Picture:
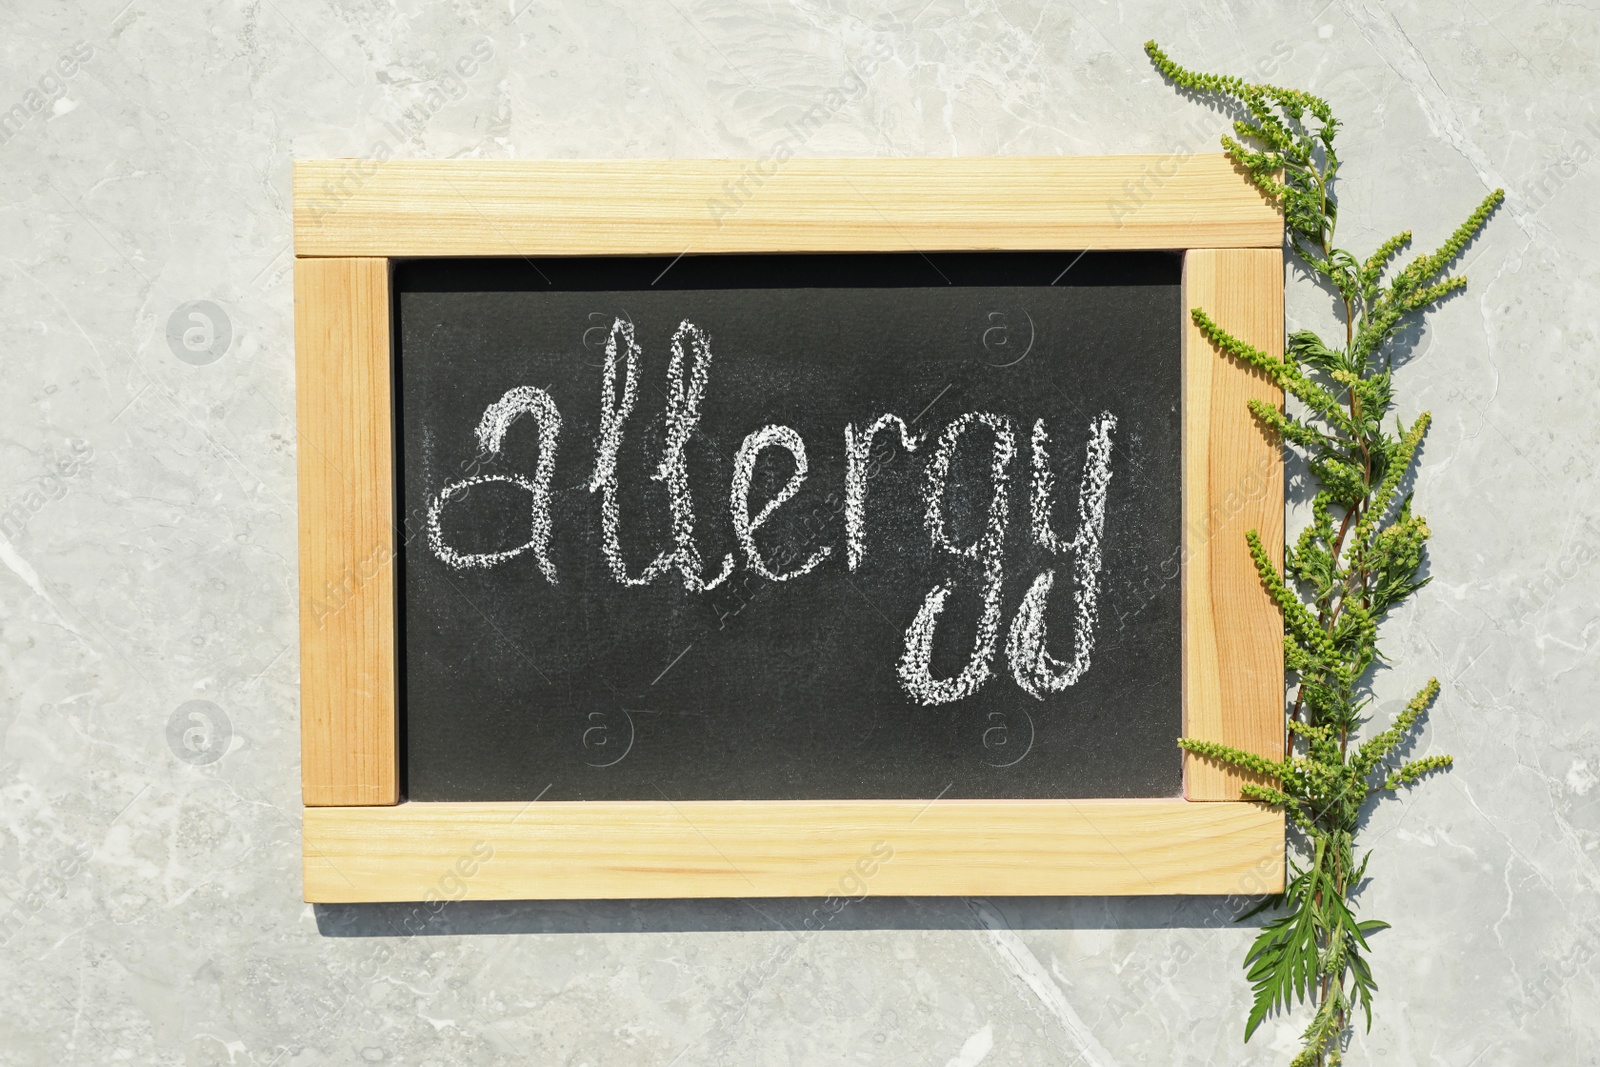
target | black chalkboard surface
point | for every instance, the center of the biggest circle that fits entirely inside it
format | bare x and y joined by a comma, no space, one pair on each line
621,580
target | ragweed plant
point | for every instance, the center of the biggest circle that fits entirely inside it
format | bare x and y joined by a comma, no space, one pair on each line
1358,558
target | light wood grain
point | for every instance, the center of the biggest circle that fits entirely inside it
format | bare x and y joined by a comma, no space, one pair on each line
1233,483
347,659
594,850
667,207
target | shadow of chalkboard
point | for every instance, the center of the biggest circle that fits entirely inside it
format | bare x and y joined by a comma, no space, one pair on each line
516,687
795,915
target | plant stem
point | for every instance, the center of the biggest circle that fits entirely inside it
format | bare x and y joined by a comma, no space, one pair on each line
1333,586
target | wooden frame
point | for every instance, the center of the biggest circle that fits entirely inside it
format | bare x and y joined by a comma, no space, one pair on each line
363,843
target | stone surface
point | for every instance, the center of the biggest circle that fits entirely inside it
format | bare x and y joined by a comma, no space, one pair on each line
150,899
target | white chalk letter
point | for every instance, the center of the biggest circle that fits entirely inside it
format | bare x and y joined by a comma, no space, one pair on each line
744,526
915,661
497,419
614,412
1032,665
857,451
683,416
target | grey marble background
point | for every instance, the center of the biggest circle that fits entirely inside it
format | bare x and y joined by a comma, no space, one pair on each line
149,869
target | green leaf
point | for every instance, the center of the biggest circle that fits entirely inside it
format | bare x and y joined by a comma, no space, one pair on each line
1283,960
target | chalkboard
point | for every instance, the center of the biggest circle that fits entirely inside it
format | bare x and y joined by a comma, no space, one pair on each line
668,531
